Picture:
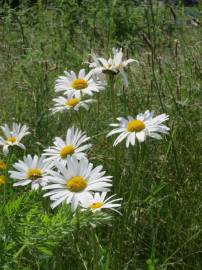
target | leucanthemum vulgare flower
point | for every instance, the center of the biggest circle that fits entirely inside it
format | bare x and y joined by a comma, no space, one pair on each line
30,170
13,136
83,84
73,146
114,65
74,184
70,102
99,202
139,128
2,180
2,165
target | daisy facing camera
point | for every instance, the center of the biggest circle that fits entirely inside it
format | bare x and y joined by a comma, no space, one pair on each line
75,183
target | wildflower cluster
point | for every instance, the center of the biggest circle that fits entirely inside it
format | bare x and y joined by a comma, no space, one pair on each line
63,170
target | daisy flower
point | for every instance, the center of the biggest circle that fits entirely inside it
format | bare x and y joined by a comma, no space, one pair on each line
140,127
99,202
70,102
80,84
74,146
75,182
114,65
13,136
30,170
2,165
2,180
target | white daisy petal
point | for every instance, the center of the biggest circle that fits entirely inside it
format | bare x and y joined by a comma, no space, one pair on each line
30,170
22,183
98,202
143,126
114,65
81,85
140,136
79,185
73,146
70,102
58,201
13,136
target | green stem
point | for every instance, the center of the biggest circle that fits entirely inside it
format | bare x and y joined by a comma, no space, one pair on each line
77,224
112,90
6,174
79,116
98,112
20,251
135,166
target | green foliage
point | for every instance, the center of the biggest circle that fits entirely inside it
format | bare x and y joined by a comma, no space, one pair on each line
31,232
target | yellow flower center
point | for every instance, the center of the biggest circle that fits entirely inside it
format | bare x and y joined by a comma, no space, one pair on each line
2,180
135,125
96,205
76,184
79,84
67,150
34,174
118,66
2,165
72,102
11,139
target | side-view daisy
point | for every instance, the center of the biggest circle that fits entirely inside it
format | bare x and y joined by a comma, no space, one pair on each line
2,180
2,165
70,102
30,170
73,146
114,65
99,202
140,127
80,84
13,136
75,182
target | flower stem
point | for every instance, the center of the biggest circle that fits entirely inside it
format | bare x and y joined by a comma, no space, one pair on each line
20,251
98,112
112,90
80,119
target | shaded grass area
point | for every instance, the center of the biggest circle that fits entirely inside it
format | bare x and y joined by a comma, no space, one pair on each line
160,182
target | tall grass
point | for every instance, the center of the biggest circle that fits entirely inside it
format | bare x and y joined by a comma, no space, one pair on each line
159,181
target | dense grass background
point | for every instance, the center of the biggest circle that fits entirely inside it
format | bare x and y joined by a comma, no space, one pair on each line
159,181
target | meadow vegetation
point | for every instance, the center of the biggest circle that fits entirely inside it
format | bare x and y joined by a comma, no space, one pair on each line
160,226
